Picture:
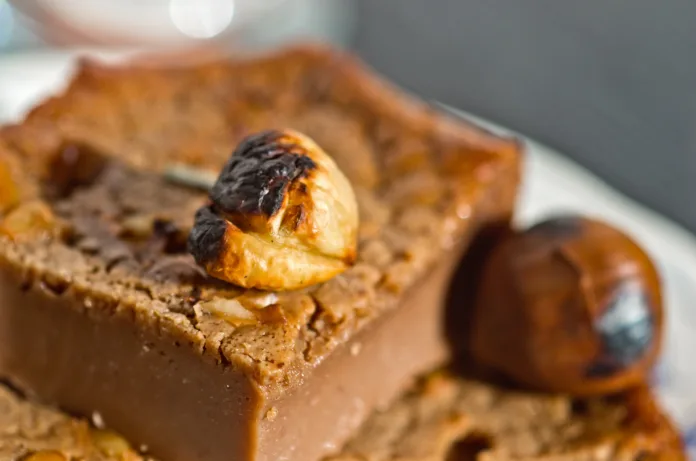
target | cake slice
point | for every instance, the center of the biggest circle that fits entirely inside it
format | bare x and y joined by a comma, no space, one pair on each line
450,418
445,418
102,309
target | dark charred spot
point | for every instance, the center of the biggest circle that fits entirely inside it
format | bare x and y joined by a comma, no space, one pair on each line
195,295
177,269
164,228
470,447
74,165
257,176
559,227
206,237
626,329
603,367
55,286
165,238
170,237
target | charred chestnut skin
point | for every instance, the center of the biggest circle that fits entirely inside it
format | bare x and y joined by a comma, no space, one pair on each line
570,305
281,216
207,236
255,179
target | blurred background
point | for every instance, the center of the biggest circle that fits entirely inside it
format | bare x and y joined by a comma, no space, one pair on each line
611,84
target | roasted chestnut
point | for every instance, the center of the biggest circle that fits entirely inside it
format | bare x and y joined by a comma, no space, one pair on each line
281,216
570,305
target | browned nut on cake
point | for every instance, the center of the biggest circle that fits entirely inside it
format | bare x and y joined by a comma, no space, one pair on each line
113,445
9,191
281,216
570,305
29,221
46,455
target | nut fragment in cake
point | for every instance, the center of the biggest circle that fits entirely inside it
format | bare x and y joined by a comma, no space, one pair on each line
113,445
281,216
46,455
570,305
230,310
28,221
9,191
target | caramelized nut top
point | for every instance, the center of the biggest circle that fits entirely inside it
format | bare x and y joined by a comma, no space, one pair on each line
9,193
46,455
281,216
29,221
570,305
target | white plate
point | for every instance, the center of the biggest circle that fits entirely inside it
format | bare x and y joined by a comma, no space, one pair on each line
552,184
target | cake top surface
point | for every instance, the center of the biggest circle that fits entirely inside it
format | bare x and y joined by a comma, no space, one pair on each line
89,214
444,418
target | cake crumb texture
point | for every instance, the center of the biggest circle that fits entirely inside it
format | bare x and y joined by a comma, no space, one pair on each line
454,419
30,432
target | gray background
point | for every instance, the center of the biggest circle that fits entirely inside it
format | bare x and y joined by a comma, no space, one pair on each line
611,83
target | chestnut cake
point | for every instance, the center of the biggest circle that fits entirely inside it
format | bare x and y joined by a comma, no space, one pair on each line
443,418
103,310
